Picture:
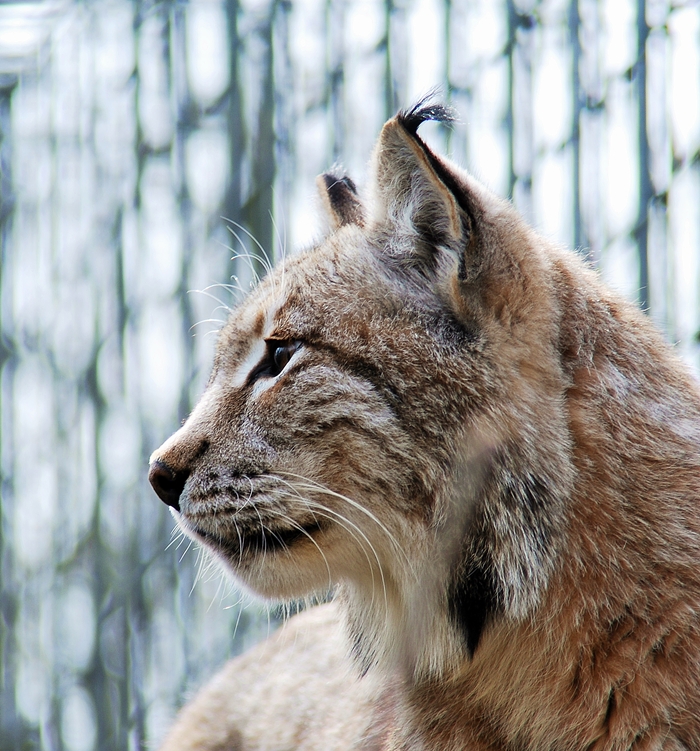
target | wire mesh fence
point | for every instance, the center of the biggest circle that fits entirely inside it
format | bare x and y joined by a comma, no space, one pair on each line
142,146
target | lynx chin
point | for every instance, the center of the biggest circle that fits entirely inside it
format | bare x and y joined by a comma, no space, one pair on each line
489,457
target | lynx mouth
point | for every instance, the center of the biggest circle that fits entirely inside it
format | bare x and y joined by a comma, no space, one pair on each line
260,540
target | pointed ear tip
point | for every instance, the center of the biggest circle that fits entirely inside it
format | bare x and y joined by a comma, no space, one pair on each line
329,180
394,134
393,124
340,199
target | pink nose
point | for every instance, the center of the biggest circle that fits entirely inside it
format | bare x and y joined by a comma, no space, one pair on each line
167,483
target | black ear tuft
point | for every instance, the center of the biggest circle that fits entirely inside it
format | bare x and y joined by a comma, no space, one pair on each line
418,193
424,110
340,198
339,184
411,120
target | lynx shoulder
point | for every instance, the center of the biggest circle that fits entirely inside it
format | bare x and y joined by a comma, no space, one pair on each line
491,459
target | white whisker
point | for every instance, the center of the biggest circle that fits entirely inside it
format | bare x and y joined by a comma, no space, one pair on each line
176,536
265,259
249,258
191,542
313,506
281,241
207,293
208,320
298,526
312,485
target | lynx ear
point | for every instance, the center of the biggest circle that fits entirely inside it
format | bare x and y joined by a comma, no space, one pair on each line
414,191
340,200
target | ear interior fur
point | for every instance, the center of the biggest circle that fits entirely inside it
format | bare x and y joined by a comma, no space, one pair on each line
413,192
340,200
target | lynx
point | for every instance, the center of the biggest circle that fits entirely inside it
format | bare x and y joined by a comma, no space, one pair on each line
491,459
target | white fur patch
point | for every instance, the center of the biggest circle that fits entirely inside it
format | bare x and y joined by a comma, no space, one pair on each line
257,351
255,355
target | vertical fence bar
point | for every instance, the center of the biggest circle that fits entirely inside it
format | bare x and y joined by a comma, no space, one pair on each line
335,88
578,103
645,188
521,29
257,211
10,728
232,200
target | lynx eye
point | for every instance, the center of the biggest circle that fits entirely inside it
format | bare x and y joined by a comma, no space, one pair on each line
279,353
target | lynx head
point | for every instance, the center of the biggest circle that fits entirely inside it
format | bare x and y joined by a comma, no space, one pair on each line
384,415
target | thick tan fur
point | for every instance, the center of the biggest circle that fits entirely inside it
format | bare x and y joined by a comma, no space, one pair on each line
492,459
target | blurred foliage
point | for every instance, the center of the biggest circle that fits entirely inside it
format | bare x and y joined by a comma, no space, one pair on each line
142,145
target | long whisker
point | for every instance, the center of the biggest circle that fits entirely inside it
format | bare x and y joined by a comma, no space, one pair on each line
235,289
298,526
176,536
349,526
282,243
265,259
208,320
232,289
313,505
208,294
312,485
200,564
187,549
218,587
249,258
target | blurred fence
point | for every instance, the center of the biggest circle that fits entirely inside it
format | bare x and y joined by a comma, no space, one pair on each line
127,131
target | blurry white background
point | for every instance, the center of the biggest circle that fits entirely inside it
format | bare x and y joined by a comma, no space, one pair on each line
129,133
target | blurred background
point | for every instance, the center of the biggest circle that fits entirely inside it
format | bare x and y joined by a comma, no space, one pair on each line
135,138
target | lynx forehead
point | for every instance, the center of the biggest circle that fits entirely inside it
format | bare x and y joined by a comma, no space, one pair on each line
492,460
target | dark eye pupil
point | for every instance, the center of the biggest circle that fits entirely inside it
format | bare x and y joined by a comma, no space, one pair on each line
282,356
279,353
